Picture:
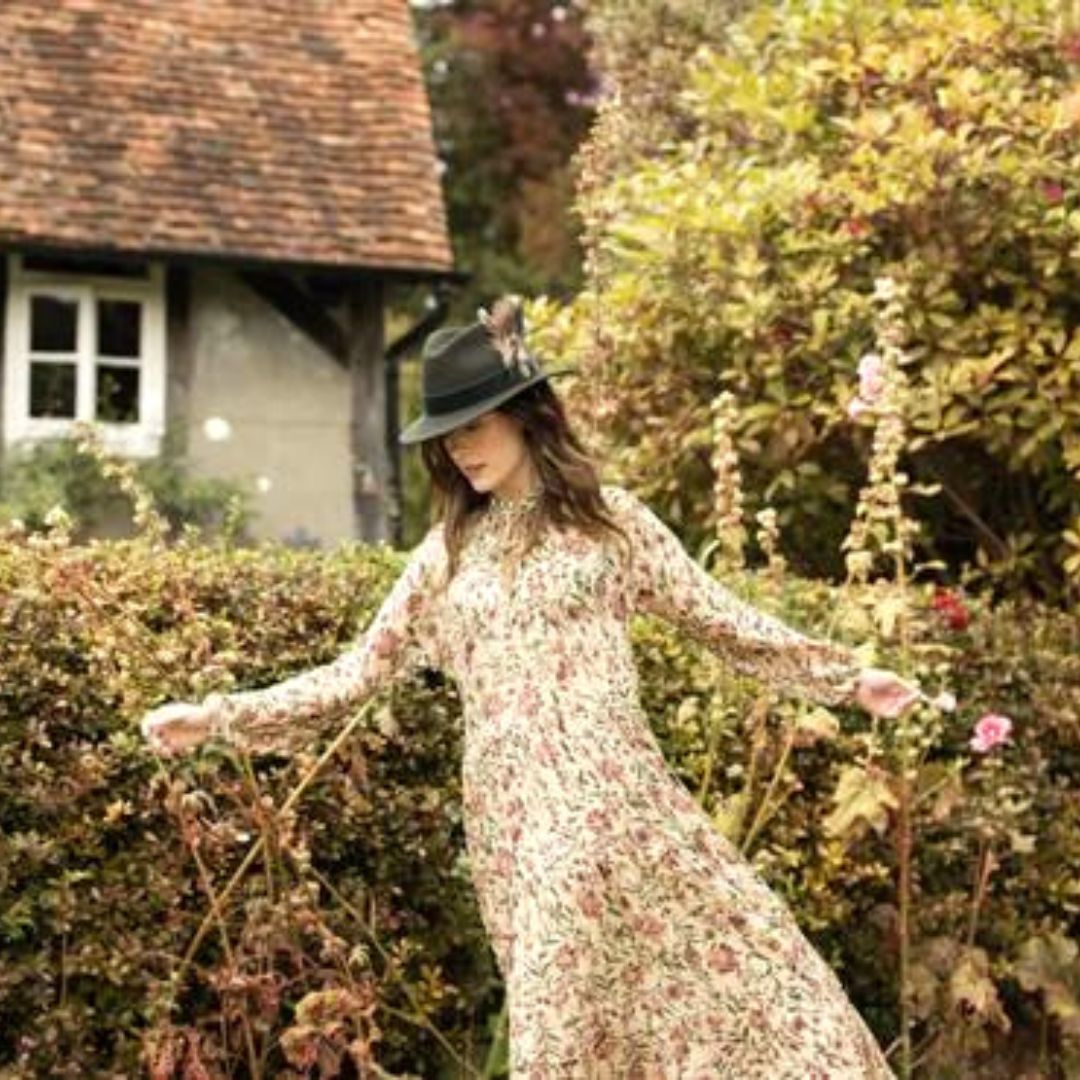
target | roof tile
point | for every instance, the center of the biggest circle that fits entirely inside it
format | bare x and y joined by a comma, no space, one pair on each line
261,129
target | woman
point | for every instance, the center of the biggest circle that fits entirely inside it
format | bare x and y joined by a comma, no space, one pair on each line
633,938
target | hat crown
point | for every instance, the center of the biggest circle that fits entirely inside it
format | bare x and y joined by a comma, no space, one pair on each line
458,357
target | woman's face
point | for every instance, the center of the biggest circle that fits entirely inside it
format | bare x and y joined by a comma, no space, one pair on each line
490,451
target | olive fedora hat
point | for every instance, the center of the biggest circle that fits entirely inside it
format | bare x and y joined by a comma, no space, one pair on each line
469,370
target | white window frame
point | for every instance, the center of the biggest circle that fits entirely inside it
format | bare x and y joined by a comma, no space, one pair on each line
141,439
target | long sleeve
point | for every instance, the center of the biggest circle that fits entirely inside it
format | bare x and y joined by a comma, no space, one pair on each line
401,637
664,580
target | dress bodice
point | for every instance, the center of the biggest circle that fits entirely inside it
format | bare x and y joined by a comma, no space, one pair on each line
567,604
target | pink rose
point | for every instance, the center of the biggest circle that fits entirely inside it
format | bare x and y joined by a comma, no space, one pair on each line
991,730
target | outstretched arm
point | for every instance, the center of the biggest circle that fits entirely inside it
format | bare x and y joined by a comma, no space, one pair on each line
400,637
664,580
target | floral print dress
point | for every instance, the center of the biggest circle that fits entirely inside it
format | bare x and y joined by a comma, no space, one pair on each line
634,939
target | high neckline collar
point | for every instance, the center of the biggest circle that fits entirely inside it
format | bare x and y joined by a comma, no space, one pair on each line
512,505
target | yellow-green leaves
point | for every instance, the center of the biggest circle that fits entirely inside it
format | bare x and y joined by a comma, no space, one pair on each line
862,800
813,148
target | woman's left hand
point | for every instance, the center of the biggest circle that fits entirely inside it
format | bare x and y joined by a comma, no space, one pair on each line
884,693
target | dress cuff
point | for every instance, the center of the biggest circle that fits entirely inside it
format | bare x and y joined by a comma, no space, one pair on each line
218,708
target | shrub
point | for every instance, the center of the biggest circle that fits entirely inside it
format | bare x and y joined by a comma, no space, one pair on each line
809,149
56,473
102,854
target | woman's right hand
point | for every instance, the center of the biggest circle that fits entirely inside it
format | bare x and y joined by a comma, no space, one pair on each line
176,727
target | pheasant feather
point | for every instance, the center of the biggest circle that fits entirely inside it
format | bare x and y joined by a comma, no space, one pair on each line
505,324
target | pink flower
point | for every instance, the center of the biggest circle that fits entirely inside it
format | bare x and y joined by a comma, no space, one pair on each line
611,769
650,924
991,730
721,958
386,641
1053,192
871,377
590,903
856,407
1070,48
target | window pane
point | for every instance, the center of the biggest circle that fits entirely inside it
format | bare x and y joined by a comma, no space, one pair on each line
117,394
118,327
52,390
53,324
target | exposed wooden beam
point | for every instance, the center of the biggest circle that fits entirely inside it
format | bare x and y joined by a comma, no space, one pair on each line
371,467
302,310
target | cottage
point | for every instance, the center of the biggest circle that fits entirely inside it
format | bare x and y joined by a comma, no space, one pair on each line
203,207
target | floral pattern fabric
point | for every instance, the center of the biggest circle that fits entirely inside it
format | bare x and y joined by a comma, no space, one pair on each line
634,939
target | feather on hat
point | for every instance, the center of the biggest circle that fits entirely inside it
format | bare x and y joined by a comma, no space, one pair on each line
505,323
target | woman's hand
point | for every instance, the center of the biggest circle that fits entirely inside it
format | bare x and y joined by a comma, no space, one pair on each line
176,727
884,693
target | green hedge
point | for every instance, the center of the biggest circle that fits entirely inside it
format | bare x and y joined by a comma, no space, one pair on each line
101,892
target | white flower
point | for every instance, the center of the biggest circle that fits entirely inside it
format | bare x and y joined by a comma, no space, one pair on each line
57,518
884,288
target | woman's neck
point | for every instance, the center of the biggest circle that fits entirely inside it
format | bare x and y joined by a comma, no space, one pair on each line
518,488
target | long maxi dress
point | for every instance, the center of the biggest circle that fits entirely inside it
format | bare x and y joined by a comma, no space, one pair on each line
634,940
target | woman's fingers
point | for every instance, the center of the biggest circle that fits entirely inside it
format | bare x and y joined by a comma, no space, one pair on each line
174,727
901,697
884,693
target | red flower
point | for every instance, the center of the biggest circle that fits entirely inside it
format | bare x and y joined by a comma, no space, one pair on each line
1070,48
1053,192
951,608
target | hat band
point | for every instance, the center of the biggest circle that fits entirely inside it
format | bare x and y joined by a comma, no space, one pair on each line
437,404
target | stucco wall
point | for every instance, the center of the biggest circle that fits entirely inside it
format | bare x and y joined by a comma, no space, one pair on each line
286,403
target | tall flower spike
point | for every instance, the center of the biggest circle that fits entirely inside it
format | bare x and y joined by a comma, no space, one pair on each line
506,325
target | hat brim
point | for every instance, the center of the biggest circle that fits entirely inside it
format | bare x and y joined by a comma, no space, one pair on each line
429,427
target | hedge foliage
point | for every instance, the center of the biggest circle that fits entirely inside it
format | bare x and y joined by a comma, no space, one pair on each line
360,934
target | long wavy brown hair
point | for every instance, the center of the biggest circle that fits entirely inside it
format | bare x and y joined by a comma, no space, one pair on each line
570,481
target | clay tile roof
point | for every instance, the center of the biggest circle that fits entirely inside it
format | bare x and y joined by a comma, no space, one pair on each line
261,129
